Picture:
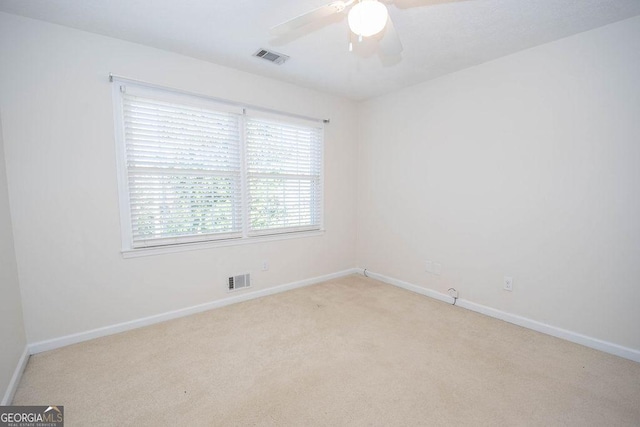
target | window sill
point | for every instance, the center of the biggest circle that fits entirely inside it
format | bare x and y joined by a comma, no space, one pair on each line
161,250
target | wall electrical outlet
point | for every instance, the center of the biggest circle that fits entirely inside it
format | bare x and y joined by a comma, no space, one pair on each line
429,266
437,268
508,283
265,265
433,267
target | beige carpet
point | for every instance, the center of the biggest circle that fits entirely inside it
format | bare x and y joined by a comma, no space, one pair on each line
351,351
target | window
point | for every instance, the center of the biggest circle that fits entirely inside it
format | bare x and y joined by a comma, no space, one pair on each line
197,170
283,176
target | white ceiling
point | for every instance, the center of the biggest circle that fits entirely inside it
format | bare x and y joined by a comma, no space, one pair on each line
439,36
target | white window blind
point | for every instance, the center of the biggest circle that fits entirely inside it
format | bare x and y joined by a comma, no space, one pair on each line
284,163
183,170
194,169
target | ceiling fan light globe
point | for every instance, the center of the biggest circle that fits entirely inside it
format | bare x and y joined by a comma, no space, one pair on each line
367,18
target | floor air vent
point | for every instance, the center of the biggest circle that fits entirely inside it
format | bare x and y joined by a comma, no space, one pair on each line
239,282
276,58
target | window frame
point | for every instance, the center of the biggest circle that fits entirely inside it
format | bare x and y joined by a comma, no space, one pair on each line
204,241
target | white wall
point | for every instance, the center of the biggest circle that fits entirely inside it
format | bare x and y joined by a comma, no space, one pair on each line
526,166
12,336
57,113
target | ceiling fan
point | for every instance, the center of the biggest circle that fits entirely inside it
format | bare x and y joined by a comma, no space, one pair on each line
366,18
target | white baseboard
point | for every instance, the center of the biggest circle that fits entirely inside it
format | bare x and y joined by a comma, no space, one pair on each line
51,344
38,347
605,346
15,379
408,286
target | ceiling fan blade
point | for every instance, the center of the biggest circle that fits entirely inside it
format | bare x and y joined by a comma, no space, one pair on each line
407,4
307,18
390,44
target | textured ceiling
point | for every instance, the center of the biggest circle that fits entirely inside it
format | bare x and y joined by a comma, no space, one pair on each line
439,36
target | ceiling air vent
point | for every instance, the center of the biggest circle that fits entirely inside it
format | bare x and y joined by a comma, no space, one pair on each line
275,57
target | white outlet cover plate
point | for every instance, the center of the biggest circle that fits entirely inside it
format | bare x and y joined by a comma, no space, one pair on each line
429,266
508,283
